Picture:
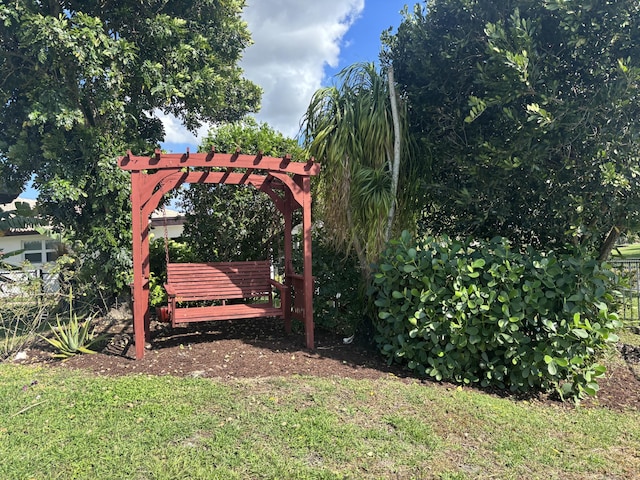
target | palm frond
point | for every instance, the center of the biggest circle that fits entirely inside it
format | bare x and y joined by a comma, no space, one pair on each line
349,129
21,216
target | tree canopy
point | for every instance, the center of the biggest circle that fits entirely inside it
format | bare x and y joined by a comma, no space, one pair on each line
236,222
528,113
83,81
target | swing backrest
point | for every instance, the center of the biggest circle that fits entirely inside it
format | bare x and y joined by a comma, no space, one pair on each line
220,281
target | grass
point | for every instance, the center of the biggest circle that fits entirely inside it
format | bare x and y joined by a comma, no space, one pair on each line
61,424
627,251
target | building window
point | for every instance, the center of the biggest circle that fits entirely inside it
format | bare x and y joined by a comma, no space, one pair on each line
40,251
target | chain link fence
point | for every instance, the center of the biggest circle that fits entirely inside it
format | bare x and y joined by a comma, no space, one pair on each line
13,281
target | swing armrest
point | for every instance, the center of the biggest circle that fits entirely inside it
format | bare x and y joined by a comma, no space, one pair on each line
284,296
283,288
171,291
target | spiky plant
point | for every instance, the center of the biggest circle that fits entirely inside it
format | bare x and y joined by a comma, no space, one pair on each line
72,337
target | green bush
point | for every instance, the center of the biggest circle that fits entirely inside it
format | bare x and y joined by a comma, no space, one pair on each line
178,252
479,313
337,302
337,299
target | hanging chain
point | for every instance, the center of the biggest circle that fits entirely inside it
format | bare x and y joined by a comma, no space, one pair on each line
166,235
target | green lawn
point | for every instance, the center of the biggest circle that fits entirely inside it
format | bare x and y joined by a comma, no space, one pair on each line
627,251
61,424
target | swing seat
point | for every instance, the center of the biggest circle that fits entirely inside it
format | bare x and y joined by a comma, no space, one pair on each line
250,281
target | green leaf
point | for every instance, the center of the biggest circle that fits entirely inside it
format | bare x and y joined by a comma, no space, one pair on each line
580,333
479,263
599,370
591,388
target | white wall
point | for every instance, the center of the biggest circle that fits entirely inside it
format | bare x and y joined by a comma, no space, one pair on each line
16,242
173,231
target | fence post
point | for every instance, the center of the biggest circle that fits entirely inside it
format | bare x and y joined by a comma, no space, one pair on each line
629,268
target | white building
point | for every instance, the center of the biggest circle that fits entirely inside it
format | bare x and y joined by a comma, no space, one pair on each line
38,249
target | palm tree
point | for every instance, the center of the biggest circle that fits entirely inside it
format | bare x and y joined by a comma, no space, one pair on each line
354,130
20,216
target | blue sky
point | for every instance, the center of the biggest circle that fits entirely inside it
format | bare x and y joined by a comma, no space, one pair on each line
361,43
299,45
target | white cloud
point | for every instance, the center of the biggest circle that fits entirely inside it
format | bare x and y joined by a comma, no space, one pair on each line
174,131
293,42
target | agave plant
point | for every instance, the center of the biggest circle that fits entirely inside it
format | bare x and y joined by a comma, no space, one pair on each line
72,337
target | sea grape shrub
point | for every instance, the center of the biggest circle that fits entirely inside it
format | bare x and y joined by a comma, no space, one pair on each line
478,312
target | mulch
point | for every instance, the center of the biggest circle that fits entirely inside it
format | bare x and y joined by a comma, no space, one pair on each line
260,348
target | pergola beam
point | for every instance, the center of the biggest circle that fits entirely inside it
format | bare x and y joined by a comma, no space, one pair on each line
223,160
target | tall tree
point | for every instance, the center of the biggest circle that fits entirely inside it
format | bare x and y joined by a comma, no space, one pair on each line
83,81
528,111
355,129
236,222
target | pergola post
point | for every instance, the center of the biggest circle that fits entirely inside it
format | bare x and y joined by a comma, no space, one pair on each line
307,273
288,255
140,307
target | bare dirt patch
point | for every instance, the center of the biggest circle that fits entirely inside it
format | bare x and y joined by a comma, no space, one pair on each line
260,348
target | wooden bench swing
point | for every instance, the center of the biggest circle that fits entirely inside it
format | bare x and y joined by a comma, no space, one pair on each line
189,282
288,184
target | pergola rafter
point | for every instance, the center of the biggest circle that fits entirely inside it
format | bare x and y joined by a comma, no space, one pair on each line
153,177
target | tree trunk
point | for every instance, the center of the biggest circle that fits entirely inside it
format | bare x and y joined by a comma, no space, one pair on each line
54,8
609,242
395,165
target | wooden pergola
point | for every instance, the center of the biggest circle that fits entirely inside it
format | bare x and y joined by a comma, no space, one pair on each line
288,183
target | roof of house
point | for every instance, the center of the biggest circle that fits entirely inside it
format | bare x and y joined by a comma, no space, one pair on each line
158,218
12,205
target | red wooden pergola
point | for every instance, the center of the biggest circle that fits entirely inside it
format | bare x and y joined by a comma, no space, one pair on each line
288,184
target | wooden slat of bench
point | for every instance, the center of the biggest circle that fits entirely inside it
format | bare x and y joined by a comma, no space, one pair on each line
215,292
219,281
260,269
198,276
226,312
219,286
187,268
